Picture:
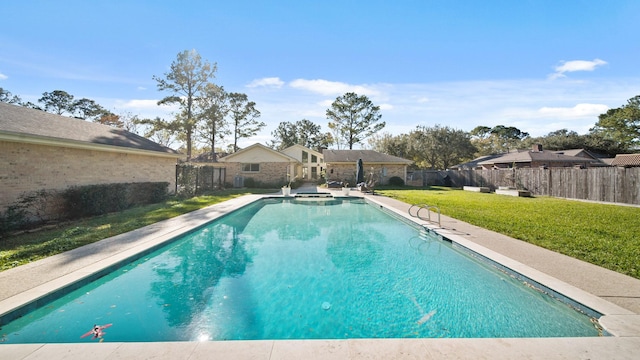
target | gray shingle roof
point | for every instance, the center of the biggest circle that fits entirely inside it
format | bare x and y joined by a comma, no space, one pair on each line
370,156
474,163
24,121
530,156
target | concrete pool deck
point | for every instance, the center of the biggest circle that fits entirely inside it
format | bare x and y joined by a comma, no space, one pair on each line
616,295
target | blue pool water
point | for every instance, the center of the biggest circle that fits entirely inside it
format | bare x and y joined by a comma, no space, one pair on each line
293,269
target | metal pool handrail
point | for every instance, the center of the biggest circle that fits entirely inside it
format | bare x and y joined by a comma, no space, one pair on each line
429,208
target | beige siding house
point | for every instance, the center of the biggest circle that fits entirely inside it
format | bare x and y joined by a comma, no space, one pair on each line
43,151
311,162
261,164
341,165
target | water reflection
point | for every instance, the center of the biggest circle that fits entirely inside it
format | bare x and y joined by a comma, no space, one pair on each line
186,279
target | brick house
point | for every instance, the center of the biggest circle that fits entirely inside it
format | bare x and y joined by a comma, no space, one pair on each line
261,164
271,167
43,151
341,165
311,162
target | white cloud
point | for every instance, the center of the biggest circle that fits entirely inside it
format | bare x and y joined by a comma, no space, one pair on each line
266,82
386,107
580,110
144,108
140,104
3,76
576,65
326,87
326,103
141,88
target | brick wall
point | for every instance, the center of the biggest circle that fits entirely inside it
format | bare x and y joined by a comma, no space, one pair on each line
29,167
270,173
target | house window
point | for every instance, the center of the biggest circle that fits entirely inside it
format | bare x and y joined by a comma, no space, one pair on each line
314,159
305,157
250,167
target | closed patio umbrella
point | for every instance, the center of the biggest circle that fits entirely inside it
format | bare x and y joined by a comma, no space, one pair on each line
359,172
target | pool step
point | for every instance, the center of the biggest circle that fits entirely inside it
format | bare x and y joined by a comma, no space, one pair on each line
314,195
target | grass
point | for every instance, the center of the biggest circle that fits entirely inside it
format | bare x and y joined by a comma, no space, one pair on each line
21,249
602,234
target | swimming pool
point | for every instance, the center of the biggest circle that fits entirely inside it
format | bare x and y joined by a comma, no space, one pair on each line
293,269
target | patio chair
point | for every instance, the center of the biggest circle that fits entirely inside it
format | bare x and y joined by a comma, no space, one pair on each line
368,187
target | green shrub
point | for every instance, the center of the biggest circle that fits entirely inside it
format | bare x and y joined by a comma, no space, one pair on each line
30,209
90,200
396,181
250,182
147,192
13,218
296,183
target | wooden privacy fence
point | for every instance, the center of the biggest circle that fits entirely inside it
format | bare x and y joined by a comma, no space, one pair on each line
609,184
193,179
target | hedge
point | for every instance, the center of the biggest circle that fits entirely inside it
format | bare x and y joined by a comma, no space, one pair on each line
89,200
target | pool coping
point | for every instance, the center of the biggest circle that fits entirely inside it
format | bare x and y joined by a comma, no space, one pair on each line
622,323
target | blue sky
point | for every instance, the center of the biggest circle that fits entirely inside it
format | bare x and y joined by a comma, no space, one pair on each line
538,65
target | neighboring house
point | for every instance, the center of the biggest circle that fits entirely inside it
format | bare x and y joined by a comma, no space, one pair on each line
311,162
626,160
259,163
43,151
474,164
537,157
341,165
575,152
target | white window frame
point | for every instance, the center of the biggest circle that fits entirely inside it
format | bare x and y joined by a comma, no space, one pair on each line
251,167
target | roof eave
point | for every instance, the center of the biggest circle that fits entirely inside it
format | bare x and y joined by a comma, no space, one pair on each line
229,158
74,144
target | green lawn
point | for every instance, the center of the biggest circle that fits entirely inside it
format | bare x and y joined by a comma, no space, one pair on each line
22,249
605,235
